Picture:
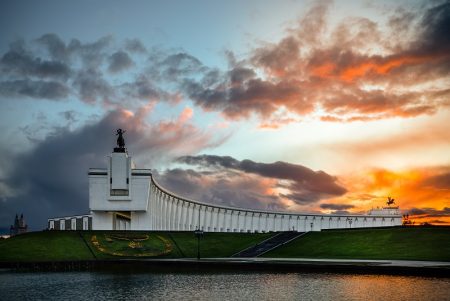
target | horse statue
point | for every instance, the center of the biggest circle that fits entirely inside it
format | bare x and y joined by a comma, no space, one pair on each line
120,140
390,201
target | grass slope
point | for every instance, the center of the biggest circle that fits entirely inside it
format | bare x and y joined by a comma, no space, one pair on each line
44,246
395,243
217,244
413,243
69,245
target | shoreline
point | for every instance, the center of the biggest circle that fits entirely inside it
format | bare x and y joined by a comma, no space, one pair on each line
380,267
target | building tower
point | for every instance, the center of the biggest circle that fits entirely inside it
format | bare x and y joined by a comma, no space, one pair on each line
19,227
119,194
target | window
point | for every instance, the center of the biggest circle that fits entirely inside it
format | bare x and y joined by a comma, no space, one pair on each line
119,192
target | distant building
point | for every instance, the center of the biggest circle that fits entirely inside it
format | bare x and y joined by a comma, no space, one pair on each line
19,227
123,197
77,222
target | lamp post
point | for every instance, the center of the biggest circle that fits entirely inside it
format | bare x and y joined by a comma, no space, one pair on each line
199,233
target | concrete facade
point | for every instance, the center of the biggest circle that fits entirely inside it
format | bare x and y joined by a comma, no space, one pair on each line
122,197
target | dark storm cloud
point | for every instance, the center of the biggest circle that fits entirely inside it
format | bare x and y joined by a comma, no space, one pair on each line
436,24
429,212
35,89
221,188
306,186
51,178
336,206
119,61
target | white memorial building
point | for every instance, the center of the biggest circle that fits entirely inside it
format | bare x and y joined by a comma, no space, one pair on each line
123,197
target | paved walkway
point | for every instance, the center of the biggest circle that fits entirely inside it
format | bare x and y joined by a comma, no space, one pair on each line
325,261
310,261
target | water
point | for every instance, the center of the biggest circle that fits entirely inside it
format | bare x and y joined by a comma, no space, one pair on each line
218,286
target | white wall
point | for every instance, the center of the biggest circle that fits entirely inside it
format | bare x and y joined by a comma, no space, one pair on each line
153,208
102,220
175,213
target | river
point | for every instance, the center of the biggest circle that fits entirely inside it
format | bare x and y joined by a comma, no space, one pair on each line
218,286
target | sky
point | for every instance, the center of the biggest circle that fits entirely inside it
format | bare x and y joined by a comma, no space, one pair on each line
297,106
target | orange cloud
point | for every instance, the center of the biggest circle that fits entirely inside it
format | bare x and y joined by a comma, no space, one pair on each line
324,70
382,67
186,115
424,193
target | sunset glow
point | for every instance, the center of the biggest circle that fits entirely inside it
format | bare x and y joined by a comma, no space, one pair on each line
315,106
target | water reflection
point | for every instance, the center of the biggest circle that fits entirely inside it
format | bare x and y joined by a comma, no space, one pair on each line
218,286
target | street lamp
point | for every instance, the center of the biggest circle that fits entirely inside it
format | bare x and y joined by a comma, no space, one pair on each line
198,233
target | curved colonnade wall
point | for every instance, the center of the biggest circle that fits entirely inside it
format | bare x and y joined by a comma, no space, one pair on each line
171,212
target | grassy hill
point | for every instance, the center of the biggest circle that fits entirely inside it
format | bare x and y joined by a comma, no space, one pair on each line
395,243
413,243
89,245
44,246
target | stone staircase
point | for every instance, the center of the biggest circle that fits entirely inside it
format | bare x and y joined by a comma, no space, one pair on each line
269,244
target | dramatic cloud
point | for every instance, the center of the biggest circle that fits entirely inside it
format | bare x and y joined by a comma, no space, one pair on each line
339,71
51,179
302,185
323,68
429,215
353,70
428,187
223,188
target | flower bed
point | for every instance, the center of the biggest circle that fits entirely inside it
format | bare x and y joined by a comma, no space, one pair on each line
132,245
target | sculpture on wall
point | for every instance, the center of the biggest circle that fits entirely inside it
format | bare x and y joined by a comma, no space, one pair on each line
120,141
390,201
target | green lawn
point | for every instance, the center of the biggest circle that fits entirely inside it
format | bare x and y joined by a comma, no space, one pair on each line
69,245
413,243
217,244
44,246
